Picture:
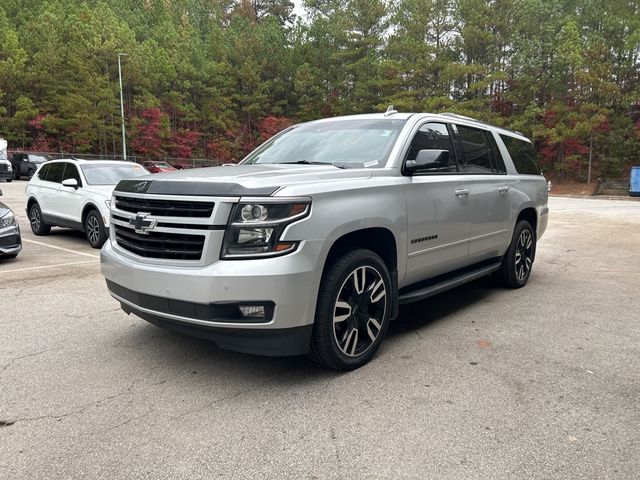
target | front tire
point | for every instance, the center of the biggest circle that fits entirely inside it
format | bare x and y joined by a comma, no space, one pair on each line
94,229
353,310
518,261
38,227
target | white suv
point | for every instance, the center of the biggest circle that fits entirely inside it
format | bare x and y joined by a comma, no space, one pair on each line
76,194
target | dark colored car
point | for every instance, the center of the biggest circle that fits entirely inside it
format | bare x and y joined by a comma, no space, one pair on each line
10,240
26,164
158,167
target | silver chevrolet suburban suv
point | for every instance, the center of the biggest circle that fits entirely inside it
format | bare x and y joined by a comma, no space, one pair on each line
309,245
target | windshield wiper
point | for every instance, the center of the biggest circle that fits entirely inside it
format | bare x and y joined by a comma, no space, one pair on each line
307,162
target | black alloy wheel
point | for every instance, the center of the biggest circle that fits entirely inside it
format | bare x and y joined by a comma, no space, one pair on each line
353,310
518,261
38,226
524,255
94,229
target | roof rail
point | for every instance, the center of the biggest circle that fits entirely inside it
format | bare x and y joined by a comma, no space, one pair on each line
464,117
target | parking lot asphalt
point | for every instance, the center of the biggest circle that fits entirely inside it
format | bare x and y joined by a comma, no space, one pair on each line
479,382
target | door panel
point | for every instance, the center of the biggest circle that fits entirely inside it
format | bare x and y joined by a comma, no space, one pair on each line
439,226
49,188
69,200
491,199
438,209
489,192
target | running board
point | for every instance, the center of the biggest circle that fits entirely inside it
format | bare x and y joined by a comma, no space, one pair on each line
445,282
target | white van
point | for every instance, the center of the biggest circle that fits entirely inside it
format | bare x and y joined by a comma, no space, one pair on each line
6,170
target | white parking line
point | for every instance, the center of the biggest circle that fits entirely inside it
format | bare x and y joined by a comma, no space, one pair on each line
60,248
48,266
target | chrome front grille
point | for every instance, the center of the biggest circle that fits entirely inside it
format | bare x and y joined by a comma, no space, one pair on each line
164,207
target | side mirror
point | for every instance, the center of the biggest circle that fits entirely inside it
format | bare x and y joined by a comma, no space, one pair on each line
70,182
427,160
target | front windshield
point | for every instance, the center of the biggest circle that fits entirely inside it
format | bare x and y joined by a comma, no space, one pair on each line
111,174
346,143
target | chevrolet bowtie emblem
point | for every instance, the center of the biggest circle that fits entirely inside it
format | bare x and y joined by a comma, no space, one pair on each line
142,224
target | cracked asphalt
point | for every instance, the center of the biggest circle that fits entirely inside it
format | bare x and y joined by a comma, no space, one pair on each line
479,382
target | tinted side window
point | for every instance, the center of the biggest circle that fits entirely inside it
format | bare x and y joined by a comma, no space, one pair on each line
522,154
477,155
42,173
433,136
56,171
498,161
71,171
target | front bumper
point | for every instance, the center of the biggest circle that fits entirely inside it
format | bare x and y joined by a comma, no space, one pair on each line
189,299
6,175
10,240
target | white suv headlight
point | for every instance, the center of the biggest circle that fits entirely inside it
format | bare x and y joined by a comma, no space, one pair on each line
255,227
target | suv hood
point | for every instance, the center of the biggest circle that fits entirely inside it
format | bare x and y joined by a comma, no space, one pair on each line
239,179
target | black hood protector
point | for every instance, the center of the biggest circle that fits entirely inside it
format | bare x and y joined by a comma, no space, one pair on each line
206,189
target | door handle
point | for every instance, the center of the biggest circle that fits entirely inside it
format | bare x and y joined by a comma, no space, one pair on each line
462,192
503,189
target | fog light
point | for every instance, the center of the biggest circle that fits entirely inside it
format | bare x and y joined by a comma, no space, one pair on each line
252,311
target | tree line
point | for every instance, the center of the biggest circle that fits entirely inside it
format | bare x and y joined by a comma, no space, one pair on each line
214,78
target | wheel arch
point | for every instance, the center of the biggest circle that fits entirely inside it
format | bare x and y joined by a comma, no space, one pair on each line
380,240
30,202
530,214
85,211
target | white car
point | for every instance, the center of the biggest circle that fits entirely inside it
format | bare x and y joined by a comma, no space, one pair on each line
76,194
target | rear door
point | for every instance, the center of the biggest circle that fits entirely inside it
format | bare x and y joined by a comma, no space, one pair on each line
438,210
489,192
49,187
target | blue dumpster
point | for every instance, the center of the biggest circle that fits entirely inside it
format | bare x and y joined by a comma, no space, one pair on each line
634,182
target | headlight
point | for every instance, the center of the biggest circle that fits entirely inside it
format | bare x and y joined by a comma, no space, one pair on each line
8,220
255,227
9,168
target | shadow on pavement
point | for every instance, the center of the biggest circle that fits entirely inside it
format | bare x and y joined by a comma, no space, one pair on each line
183,356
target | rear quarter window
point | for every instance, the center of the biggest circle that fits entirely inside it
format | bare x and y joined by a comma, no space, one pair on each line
42,173
523,155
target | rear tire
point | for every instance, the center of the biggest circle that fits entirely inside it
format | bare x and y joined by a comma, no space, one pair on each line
353,311
38,227
518,261
94,229
9,180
